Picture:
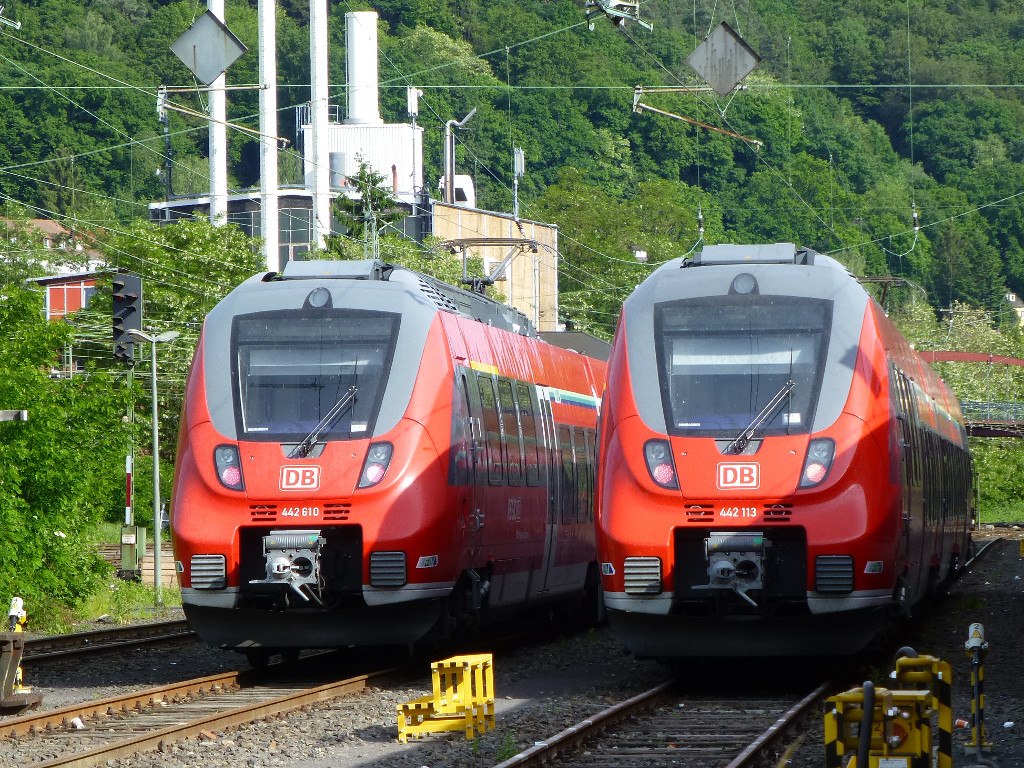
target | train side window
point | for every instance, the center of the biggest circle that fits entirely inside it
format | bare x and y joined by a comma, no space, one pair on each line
582,475
510,437
568,479
550,456
591,437
462,439
529,425
915,431
492,430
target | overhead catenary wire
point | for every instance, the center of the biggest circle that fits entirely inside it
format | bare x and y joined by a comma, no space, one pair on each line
507,48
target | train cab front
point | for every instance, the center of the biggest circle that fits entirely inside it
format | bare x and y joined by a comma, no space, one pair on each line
725,507
302,485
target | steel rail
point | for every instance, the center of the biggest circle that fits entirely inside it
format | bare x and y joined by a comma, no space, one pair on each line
548,749
55,718
545,750
777,730
980,552
237,716
45,649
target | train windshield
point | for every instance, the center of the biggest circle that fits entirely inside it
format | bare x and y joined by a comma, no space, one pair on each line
722,359
291,370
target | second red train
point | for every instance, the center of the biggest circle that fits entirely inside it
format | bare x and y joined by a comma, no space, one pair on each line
779,470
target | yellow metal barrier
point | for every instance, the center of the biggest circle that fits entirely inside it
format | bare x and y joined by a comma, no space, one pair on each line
462,699
900,720
900,723
931,674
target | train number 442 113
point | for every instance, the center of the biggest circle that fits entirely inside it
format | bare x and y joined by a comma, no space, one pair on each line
737,512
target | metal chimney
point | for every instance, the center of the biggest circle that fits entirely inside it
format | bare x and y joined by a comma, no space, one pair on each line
361,42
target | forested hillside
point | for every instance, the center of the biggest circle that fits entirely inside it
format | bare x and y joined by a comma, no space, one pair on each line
863,109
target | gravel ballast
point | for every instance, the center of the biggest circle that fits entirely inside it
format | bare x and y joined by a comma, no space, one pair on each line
543,689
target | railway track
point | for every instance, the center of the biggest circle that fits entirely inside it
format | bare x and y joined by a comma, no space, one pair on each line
59,647
89,734
660,727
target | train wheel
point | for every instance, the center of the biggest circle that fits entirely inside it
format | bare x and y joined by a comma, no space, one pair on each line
594,595
258,658
932,586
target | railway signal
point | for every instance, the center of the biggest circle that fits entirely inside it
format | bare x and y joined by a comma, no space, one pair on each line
127,314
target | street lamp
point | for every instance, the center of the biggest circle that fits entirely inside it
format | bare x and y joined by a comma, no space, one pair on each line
157,522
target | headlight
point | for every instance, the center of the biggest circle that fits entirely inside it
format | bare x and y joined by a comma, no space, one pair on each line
229,467
658,455
820,453
378,457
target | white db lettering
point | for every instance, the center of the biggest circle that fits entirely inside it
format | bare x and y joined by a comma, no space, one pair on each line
300,478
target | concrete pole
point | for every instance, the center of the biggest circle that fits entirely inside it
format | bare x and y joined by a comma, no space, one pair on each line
157,521
319,119
218,138
268,128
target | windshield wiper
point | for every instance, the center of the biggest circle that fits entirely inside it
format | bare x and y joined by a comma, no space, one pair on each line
740,441
302,450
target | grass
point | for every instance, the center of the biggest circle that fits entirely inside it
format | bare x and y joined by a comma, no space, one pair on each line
1001,513
123,601
105,533
508,748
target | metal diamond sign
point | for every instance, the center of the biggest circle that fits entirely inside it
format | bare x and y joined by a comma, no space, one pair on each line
723,59
208,48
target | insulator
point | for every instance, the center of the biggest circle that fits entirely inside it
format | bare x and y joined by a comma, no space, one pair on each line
913,211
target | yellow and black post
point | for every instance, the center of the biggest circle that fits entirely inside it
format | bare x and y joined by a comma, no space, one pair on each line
14,695
976,647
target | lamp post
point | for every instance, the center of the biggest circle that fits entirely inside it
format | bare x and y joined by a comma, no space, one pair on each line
157,522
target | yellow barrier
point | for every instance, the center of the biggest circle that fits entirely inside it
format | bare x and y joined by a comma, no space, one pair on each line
462,699
900,723
934,675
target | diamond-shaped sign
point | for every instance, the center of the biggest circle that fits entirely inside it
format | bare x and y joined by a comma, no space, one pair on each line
208,48
723,59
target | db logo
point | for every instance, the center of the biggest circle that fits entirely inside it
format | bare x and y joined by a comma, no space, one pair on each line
739,476
300,478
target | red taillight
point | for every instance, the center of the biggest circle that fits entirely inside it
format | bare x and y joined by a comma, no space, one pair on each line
374,474
378,458
664,475
229,467
658,455
820,453
815,473
231,477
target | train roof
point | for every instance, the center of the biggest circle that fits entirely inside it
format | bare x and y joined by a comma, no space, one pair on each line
444,297
769,253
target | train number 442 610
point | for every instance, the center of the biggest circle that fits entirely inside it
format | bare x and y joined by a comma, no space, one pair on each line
300,512
737,512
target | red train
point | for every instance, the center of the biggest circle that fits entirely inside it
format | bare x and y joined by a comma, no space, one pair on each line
368,456
779,471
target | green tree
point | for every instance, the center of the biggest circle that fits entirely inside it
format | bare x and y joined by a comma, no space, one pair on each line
58,469
186,269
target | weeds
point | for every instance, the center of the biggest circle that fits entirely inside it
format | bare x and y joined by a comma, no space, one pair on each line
508,748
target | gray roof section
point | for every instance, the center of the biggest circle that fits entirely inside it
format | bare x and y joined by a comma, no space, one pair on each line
824,278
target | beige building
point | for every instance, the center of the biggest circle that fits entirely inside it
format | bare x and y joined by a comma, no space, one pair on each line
1018,306
529,280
